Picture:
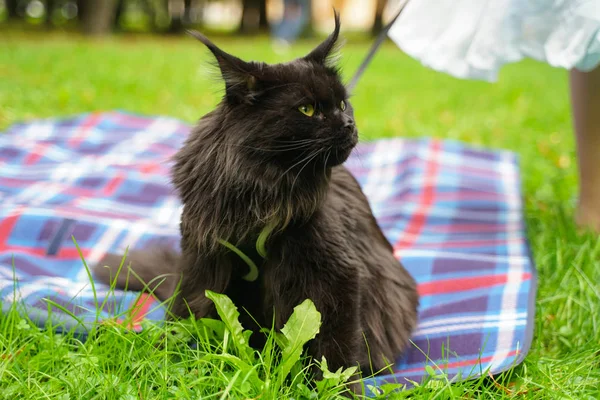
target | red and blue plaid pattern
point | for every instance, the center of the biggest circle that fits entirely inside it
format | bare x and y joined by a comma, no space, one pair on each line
453,213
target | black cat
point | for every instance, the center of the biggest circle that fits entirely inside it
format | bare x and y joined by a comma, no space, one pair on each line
265,167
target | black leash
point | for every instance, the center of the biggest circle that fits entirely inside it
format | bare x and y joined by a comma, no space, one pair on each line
380,39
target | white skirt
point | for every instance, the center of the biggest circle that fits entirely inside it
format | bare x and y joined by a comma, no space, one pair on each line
473,39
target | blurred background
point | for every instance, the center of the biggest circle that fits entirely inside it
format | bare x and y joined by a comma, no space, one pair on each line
101,17
60,58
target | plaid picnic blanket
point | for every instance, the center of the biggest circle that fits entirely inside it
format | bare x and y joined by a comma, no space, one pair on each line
453,213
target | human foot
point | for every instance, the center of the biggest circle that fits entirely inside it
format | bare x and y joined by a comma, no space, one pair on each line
588,217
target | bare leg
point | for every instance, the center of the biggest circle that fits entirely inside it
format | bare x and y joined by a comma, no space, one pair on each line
585,100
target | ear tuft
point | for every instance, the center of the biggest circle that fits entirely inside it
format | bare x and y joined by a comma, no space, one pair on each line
325,52
203,39
239,76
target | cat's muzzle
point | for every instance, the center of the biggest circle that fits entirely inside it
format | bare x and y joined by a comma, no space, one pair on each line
343,146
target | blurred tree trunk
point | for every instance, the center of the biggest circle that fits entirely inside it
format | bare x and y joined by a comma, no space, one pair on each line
263,22
98,16
11,8
378,21
254,16
180,17
81,9
49,11
119,9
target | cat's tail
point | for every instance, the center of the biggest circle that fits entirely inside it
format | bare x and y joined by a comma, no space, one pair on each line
150,270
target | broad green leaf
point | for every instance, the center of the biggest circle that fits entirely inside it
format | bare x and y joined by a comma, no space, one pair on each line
306,392
246,370
389,388
332,379
375,390
348,373
303,325
280,340
247,335
218,327
230,316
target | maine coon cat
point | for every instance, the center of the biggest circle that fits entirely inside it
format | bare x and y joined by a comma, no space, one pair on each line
263,174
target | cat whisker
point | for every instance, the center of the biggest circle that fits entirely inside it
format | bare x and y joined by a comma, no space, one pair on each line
311,140
283,146
289,148
358,155
326,159
304,166
303,143
310,156
266,150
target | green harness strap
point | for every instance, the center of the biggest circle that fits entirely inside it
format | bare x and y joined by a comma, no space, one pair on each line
260,249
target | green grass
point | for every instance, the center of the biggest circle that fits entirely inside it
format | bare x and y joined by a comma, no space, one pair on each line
527,111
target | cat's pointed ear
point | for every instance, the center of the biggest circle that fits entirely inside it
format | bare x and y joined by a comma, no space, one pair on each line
323,52
241,81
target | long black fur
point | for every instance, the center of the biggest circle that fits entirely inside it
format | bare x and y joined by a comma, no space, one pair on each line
257,161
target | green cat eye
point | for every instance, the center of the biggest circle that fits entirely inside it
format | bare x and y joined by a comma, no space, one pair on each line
307,109
343,105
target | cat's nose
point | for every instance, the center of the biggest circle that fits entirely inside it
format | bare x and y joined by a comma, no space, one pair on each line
348,122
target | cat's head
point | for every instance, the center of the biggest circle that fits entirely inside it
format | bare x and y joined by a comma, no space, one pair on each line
290,114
